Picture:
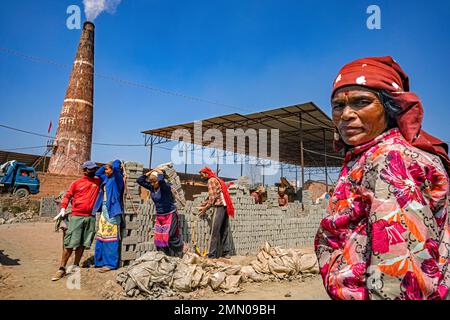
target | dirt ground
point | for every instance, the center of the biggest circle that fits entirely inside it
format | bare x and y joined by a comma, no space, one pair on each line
30,255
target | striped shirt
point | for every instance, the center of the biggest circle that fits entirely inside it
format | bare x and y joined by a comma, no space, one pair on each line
215,197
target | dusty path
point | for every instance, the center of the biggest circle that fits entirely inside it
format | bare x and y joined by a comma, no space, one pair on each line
30,253
29,256
309,289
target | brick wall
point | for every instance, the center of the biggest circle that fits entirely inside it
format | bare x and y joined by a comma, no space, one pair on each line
52,184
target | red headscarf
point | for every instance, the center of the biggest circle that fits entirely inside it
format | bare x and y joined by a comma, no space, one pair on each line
383,73
226,194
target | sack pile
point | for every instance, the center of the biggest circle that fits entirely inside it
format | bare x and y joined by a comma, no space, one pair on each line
156,275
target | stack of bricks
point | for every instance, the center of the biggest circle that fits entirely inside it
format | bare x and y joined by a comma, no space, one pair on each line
134,217
253,225
243,181
256,223
272,196
174,180
49,207
192,223
133,171
307,198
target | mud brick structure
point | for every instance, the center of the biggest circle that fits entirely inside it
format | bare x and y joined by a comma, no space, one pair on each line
74,134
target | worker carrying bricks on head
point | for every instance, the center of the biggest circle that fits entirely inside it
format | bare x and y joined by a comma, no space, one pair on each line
110,204
81,229
166,234
218,197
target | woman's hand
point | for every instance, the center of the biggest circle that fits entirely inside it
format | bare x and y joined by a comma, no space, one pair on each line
201,211
157,170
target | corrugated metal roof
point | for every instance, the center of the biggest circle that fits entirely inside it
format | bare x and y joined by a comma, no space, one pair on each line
317,130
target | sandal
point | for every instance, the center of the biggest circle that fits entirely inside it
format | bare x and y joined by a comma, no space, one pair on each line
103,269
59,274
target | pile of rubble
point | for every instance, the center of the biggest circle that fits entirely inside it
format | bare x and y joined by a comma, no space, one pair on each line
155,275
15,210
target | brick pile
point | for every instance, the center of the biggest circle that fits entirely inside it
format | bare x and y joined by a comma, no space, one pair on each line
172,177
272,196
307,198
136,219
49,207
243,181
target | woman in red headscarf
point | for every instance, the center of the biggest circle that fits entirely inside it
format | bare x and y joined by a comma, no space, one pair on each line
220,199
386,234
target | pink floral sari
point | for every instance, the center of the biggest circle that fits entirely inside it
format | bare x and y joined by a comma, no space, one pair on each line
387,235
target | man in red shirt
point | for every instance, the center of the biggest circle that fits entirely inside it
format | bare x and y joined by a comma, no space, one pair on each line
81,229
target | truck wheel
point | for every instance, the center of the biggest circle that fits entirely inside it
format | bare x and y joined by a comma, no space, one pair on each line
21,193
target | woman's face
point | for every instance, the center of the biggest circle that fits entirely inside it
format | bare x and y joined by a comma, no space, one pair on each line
108,170
358,114
154,181
204,176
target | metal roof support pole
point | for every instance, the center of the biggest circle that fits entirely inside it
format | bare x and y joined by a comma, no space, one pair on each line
217,168
325,155
224,157
281,171
185,158
151,153
263,173
242,167
302,159
296,178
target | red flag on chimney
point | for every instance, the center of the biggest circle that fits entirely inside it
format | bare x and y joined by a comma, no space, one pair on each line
49,127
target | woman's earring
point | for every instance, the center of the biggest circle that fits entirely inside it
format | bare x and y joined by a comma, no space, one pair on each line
338,143
337,137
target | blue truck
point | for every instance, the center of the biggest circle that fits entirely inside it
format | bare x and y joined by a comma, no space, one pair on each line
18,178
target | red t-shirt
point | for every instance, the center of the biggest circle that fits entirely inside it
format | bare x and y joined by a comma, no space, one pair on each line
83,193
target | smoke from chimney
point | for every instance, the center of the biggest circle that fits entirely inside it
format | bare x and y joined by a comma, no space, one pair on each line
92,8
74,133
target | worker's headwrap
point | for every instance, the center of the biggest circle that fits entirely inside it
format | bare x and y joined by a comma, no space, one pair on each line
383,73
223,186
154,173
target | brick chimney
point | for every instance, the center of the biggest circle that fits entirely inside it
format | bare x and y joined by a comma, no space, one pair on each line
74,134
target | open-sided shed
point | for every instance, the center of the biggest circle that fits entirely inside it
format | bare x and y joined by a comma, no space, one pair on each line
305,135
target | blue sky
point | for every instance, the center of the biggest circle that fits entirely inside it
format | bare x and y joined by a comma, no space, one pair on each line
253,54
